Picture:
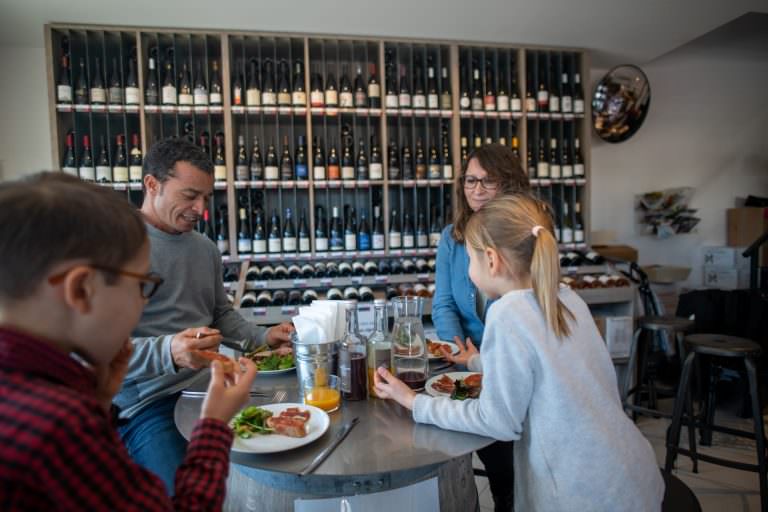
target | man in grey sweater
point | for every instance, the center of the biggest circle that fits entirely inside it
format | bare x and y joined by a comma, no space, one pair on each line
189,312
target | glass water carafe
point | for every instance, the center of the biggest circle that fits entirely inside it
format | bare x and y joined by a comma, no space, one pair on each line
409,348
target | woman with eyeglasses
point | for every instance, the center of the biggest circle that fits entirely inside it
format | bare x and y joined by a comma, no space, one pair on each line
458,307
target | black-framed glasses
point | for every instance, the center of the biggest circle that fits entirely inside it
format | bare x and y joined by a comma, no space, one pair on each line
487,183
148,283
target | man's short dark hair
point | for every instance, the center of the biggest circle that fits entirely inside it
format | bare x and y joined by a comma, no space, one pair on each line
51,217
163,155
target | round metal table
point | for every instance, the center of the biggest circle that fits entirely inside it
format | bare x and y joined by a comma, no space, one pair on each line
386,450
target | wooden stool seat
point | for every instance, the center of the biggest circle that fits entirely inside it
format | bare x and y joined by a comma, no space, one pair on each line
665,323
721,345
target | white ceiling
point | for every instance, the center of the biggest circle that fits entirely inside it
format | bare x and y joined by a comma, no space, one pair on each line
634,31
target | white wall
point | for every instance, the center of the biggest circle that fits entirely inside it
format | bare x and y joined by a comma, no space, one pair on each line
706,129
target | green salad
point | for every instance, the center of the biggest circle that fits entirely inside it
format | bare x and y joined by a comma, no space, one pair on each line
275,362
251,420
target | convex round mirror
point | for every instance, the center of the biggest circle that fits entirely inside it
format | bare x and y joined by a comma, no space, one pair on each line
620,103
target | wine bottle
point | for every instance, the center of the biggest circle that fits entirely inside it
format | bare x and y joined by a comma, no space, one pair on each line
169,86
542,94
185,86
464,100
489,99
358,269
264,298
120,169
351,293
256,168
321,230
286,162
259,241
554,158
69,165
422,237
392,292
361,167
566,228
275,240
135,167
346,98
267,273
253,90
294,298
320,269
271,169
115,91
347,163
268,95
318,163
242,169
433,98
216,96
566,101
64,83
222,232
404,98
361,97
279,298
200,92
407,162
530,99
542,167
98,92
299,95
396,267
421,161
331,93
244,234
374,89
307,270
301,169
316,94
391,99
370,268
567,167
554,93
334,294
383,268
530,165
434,169
446,102
289,233
219,165
334,169
375,168
464,149
578,95
409,238
336,238
350,230
593,258
151,89
578,224
422,266
206,228
365,293
435,231
408,267
515,103
308,297
578,163
86,169
364,233
81,86
477,91
304,239
249,300
237,85
377,237
394,161
419,98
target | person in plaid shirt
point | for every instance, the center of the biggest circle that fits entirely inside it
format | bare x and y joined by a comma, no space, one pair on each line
73,282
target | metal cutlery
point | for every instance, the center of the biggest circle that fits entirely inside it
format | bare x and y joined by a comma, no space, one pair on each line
320,458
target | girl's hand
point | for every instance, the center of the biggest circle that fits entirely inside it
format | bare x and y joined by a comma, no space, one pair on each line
389,386
466,352
228,392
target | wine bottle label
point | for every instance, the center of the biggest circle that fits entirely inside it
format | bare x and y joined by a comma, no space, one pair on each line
201,97
318,172
502,103
578,106
489,103
87,173
360,99
131,95
566,235
271,172
276,245
365,241
464,102
542,97
395,240
404,100
347,173
394,173
242,172
542,170
408,241
566,104
289,244
477,103
422,240
376,171
434,239
186,99
515,105
578,169
604,280
433,101
223,246
377,241
554,104
135,173
554,172
530,105
98,95
284,98
299,98
316,98
259,246
447,171
346,99
350,241
302,172
336,243
253,97
445,101
120,174
391,101
374,90
578,236
169,95
304,244
243,245
268,98
72,171
435,171
219,172
331,98
419,101
64,93
321,244
567,171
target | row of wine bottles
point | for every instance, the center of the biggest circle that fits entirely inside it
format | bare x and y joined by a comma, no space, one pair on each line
580,282
266,298
94,88
382,267
118,166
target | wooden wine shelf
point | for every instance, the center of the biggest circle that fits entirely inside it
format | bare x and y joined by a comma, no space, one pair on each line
316,283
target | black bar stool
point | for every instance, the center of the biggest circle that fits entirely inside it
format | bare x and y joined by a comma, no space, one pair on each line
678,497
675,328
718,345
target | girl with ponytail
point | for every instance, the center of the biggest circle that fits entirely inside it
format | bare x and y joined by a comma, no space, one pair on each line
548,380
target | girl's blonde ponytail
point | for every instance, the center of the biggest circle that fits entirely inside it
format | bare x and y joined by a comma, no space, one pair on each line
545,276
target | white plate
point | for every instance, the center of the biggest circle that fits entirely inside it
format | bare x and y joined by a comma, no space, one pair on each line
454,350
453,375
276,372
271,443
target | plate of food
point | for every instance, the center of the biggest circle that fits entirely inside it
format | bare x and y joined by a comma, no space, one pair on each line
273,361
277,427
434,348
456,385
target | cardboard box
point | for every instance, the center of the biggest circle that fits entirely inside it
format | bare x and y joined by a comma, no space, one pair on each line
723,278
617,333
720,256
745,225
616,252
666,274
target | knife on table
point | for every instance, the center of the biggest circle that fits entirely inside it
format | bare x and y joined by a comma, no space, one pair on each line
328,449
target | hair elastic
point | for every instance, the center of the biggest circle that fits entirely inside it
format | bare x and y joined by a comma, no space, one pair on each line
536,230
